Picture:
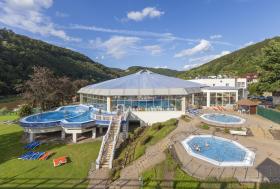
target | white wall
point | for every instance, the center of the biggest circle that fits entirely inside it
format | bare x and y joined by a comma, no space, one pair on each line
151,117
223,82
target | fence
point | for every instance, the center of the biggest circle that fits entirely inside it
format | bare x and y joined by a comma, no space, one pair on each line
270,114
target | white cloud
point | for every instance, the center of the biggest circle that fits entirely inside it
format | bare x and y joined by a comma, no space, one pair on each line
203,45
116,46
28,15
217,36
204,59
120,31
248,44
190,66
165,67
148,12
153,49
61,14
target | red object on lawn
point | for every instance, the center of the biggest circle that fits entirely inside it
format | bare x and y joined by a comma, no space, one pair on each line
59,161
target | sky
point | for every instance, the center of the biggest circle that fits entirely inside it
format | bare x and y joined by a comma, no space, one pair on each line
178,34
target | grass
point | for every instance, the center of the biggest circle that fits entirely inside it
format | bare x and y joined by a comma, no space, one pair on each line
168,174
205,127
136,146
8,117
16,173
155,134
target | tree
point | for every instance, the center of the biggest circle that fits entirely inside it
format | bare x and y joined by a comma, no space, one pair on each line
45,90
25,110
269,68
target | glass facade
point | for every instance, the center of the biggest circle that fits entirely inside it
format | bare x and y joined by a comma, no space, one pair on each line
222,98
148,103
99,102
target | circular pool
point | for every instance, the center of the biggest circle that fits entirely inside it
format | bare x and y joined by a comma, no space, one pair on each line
218,151
53,118
223,119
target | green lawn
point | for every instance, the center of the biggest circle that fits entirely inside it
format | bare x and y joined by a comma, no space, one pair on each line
16,173
8,117
155,135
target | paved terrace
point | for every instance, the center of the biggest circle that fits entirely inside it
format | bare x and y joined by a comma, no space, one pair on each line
266,166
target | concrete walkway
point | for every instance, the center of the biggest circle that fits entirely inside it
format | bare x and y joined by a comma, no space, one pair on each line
266,166
154,154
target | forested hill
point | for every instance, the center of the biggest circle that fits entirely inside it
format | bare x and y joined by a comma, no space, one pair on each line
162,71
18,54
237,63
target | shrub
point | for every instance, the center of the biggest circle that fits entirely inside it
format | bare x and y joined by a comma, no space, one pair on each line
146,139
278,107
157,126
138,131
226,130
217,129
205,126
4,111
185,118
25,110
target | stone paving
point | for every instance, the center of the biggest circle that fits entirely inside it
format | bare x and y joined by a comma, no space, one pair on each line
266,166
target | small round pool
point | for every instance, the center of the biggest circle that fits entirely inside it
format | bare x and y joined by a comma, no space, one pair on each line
223,119
218,151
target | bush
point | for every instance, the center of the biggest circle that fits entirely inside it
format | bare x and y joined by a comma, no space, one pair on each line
146,139
278,107
25,110
157,126
217,129
4,111
138,131
226,130
205,126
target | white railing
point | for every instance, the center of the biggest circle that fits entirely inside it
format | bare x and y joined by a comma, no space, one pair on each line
102,117
104,141
115,143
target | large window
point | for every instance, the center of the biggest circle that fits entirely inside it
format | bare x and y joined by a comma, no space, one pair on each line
99,102
222,98
148,103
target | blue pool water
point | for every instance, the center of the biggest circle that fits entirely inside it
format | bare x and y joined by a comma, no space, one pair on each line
219,150
61,113
82,118
223,118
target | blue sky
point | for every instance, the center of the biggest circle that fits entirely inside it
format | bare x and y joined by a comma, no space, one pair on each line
178,34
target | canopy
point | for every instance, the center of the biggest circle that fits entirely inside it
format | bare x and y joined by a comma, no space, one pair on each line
143,83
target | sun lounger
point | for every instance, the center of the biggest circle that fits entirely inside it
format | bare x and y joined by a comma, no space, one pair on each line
31,155
45,156
241,133
59,161
32,145
27,154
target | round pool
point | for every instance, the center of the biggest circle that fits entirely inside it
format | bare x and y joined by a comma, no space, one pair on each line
53,118
218,151
223,119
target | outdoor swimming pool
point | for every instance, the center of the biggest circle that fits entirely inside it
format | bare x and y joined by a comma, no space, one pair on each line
223,118
218,151
75,115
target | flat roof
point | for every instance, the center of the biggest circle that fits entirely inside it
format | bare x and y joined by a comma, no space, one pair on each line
144,82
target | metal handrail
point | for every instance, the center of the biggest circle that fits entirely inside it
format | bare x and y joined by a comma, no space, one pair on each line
104,140
114,143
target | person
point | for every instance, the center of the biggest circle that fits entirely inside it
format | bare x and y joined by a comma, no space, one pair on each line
206,144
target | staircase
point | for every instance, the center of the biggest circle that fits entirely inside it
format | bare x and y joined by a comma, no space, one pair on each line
107,150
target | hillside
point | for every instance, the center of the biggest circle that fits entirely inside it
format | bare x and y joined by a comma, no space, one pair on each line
18,54
237,63
163,71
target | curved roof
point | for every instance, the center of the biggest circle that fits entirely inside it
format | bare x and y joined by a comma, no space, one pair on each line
143,83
